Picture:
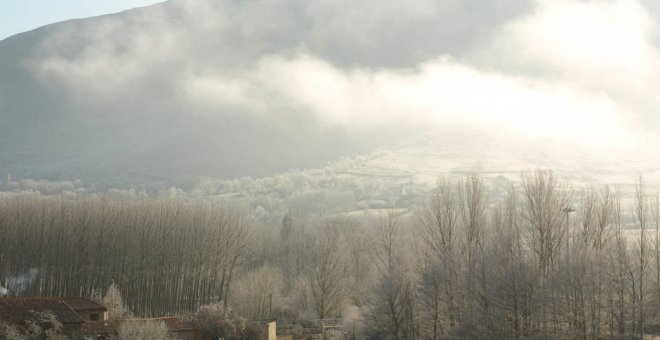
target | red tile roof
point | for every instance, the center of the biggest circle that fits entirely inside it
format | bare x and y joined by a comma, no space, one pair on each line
18,310
79,303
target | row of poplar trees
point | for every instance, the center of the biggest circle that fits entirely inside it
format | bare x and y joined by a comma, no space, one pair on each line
165,255
542,260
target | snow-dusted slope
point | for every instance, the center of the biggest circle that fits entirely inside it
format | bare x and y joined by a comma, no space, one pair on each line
426,157
402,173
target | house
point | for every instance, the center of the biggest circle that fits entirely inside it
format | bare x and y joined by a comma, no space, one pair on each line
19,311
107,329
87,309
80,316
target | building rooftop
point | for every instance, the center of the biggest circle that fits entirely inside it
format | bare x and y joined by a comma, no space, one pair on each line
79,304
18,310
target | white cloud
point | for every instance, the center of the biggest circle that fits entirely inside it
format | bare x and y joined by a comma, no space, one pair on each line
584,70
589,36
439,93
445,92
602,47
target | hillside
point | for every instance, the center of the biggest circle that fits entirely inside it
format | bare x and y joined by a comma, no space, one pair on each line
166,94
57,124
401,174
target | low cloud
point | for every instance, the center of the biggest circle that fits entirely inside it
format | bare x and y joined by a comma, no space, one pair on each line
439,93
578,70
603,48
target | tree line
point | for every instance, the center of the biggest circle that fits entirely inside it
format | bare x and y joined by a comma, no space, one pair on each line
544,260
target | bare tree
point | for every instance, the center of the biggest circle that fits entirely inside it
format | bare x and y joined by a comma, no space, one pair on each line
473,202
393,301
543,202
618,282
326,279
257,294
641,220
439,224
114,301
512,280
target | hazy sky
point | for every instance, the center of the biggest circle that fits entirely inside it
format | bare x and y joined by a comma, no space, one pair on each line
23,15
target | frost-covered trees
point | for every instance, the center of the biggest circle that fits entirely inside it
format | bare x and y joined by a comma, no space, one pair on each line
113,300
543,202
40,325
392,310
527,267
221,322
438,222
144,330
537,259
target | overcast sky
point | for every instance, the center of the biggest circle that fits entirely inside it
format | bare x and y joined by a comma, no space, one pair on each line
19,16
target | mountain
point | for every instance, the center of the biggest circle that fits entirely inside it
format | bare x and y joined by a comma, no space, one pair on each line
52,128
167,94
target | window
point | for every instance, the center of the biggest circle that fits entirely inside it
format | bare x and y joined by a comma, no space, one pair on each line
94,317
